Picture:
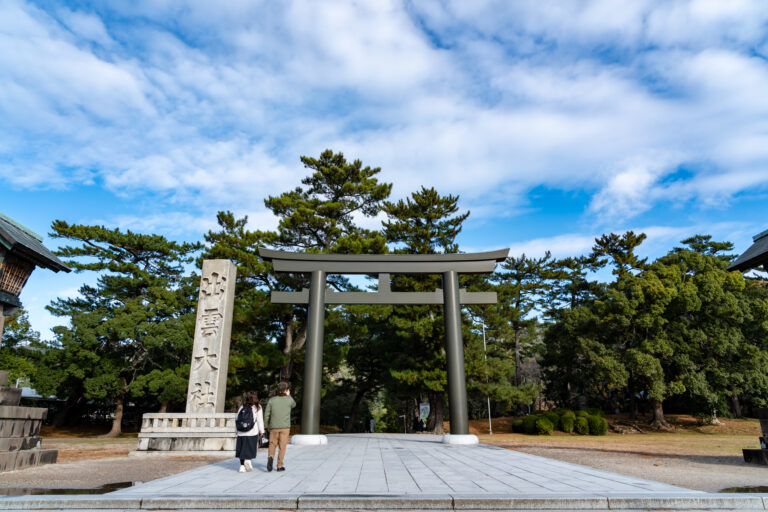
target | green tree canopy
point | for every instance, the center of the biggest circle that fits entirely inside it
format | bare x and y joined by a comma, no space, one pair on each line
138,318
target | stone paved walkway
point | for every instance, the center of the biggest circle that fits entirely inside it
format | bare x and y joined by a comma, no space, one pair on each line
381,464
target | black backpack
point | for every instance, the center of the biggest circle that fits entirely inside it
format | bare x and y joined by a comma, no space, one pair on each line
244,421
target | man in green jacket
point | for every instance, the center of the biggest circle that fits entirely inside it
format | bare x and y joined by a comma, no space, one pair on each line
277,418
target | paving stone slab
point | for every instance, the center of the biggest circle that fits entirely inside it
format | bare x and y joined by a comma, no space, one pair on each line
381,464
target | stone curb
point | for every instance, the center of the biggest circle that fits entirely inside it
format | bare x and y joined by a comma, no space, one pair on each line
391,502
531,502
67,503
712,501
260,502
377,502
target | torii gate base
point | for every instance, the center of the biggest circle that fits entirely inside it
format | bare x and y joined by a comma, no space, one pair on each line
319,265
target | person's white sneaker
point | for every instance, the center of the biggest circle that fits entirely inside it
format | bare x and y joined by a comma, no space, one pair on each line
242,469
248,466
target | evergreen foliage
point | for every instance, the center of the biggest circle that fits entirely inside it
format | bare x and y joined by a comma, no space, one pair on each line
544,426
138,318
19,347
598,426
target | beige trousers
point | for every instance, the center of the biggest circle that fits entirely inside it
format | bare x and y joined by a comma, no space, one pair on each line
278,438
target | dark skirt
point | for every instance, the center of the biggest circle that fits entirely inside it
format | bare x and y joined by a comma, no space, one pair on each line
246,447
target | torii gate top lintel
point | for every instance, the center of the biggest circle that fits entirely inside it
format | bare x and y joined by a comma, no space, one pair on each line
383,265
463,263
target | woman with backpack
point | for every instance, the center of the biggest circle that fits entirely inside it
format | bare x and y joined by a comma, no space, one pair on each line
249,424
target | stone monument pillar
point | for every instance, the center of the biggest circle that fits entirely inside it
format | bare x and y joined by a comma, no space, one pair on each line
204,428
213,328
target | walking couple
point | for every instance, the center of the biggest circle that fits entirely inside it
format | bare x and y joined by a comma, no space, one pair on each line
251,424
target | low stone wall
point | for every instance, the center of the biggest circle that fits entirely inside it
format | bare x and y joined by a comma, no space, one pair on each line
172,433
19,432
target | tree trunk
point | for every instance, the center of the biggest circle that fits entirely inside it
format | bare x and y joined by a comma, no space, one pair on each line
291,345
435,421
164,406
286,370
736,404
658,420
517,358
117,423
632,399
353,413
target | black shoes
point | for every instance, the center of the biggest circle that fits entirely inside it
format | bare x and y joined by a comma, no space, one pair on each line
269,464
281,469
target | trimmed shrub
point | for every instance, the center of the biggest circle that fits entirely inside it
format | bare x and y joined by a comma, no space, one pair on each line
517,426
529,423
553,418
597,425
594,411
566,424
581,414
544,427
566,412
581,426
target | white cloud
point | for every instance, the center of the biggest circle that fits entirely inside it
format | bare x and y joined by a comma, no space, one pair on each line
483,99
560,246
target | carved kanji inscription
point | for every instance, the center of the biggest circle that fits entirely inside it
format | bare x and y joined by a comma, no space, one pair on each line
210,353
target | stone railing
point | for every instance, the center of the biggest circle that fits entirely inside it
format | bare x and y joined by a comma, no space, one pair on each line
187,432
179,422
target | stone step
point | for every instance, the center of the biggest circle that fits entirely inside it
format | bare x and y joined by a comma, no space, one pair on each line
14,444
13,461
692,501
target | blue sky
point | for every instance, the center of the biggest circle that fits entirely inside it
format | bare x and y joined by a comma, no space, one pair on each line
554,121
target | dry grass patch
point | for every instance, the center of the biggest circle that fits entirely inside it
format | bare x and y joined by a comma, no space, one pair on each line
687,438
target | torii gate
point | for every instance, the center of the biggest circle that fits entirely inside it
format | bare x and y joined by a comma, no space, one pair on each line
383,265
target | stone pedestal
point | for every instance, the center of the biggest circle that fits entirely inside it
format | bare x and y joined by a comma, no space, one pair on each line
19,431
759,455
460,439
309,440
188,434
204,428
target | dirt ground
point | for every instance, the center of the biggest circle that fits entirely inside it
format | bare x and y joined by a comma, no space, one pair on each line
90,463
706,458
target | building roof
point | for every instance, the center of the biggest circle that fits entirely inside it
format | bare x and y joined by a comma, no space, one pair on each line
755,256
29,244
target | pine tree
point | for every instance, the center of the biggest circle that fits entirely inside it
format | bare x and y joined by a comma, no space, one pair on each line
138,318
521,286
320,216
20,346
619,250
424,223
